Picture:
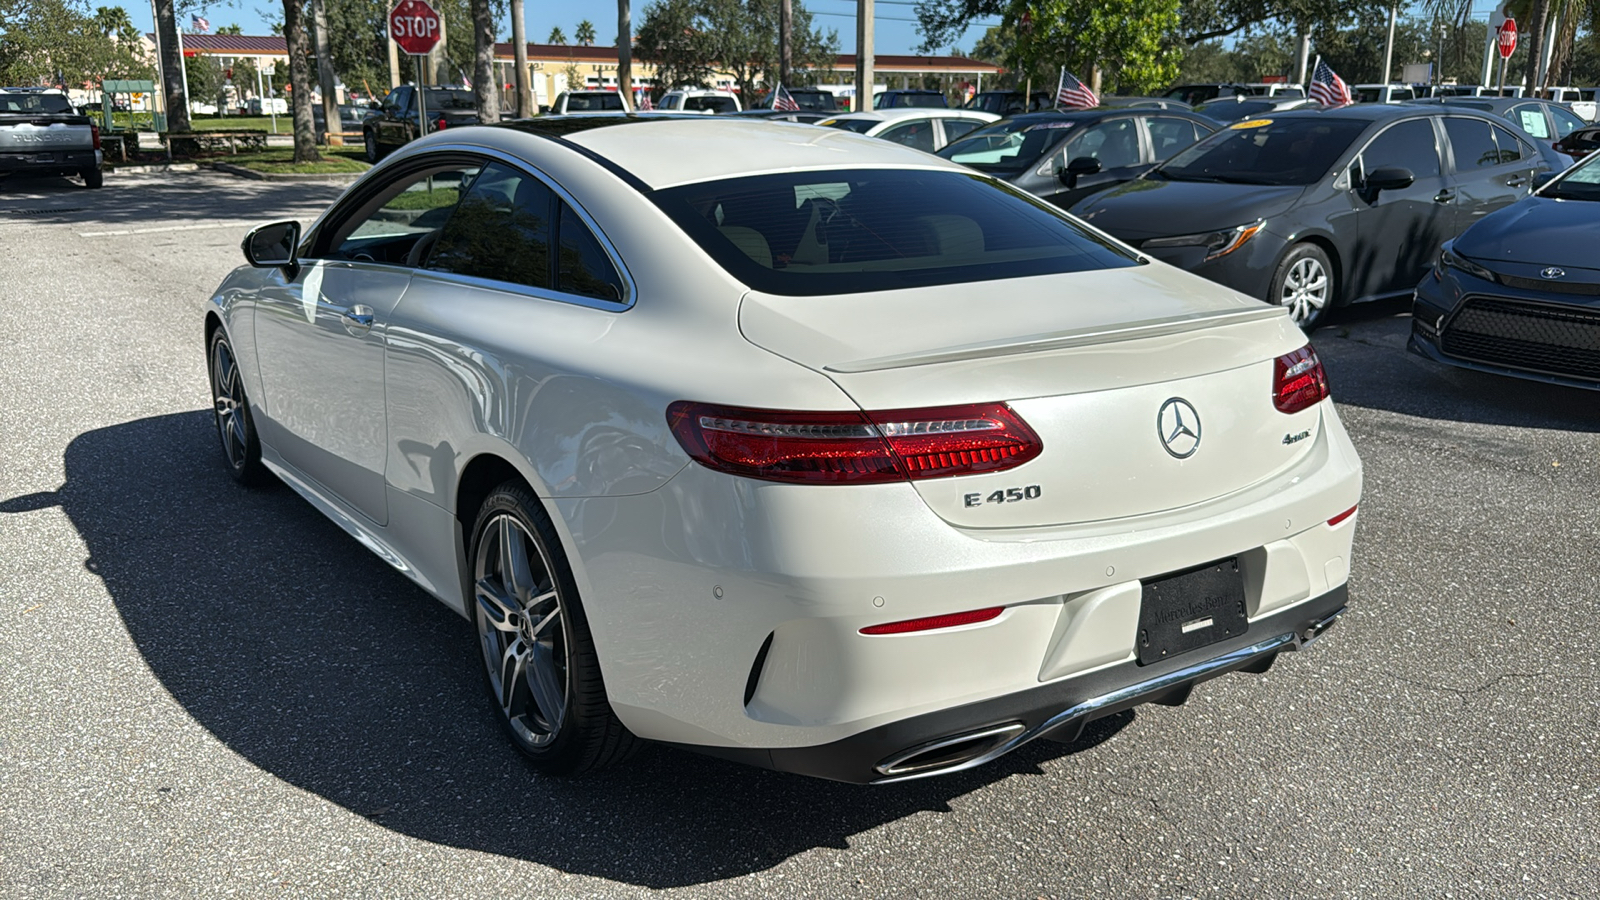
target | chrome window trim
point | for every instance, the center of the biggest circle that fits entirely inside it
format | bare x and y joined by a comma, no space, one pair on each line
630,287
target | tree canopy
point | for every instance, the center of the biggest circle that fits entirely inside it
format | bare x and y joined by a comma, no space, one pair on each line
60,41
689,41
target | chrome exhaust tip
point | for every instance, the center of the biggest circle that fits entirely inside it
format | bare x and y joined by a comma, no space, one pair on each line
948,752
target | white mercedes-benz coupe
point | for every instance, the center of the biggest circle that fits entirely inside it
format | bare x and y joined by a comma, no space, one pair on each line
785,444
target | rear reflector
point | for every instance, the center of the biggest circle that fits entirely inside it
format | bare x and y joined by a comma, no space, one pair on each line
1341,517
1298,380
850,446
931,622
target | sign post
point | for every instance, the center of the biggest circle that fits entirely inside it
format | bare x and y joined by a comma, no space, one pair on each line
415,28
1506,40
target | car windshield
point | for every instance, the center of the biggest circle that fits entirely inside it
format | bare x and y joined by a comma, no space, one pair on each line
849,231
1234,110
594,102
1283,151
818,100
43,104
450,99
1008,146
1581,182
859,126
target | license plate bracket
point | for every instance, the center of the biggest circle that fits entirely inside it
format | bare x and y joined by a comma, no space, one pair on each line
1191,609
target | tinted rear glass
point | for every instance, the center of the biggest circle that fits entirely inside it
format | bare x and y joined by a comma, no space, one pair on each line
847,231
715,104
597,102
859,126
438,100
42,104
1296,150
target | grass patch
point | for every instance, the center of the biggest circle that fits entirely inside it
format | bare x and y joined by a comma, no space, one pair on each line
280,161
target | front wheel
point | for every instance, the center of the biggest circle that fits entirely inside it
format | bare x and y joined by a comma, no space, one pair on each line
231,410
540,665
1304,285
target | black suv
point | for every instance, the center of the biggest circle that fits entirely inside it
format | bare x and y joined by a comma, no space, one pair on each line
903,99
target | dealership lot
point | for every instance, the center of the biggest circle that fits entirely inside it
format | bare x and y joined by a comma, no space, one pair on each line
216,690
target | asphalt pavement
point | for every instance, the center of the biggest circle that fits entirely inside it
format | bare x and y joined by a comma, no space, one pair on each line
214,691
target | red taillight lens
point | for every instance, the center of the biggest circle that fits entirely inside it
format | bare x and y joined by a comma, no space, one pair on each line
442,124
1341,517
1298,381
94,132
852,446
929,623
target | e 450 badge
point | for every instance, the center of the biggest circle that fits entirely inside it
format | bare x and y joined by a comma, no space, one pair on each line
1005,495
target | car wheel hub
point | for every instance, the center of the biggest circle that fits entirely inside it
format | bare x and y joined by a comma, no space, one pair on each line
520,630
1305,290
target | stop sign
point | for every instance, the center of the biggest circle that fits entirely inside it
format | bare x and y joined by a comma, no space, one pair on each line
414,25
1508,38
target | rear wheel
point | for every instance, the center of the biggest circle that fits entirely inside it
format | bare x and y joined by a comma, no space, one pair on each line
1304,285
372,147
540,665
231,410
93,177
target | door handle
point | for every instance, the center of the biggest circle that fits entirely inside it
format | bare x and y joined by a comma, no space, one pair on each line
1516,181
357,320
1445,196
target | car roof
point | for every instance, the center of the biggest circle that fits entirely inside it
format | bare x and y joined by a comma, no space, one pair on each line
1495,103
914,112
1372,112
664,149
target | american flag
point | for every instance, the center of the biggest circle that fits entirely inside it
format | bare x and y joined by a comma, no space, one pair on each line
645,104
1327,88
782,100
1074,94
199,25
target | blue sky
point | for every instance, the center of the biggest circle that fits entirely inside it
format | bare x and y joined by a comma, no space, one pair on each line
896,25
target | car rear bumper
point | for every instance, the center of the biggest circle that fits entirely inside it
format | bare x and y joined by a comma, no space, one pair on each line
49,162
973,734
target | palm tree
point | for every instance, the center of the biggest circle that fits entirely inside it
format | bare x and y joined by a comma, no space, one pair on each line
557,36
625,51
585,33
298,42
485,86
113,21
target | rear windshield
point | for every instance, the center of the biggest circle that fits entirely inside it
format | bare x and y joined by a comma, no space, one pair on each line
599,102
847,231
700,104
42,104
919,100
1297,150
438,100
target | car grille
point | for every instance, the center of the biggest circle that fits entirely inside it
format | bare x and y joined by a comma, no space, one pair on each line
1548,286
1550,339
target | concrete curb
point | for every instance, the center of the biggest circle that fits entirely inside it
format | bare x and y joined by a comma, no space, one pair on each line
330,178
160,169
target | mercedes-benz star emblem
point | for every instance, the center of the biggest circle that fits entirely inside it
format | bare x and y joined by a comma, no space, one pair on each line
1178,426
1553,272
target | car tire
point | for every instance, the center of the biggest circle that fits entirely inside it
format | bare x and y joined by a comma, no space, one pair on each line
373,154
230,409
1305,284
93,177
539,661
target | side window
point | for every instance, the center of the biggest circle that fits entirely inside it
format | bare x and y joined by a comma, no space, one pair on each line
1566,123
1530,118
397,99
1169,135
1472,142
1114,143
1410,145
583,266
955,129
500,230
918,134
393,226
1512,149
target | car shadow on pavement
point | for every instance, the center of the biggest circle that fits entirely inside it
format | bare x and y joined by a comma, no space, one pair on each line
309,657
1364,350
154,201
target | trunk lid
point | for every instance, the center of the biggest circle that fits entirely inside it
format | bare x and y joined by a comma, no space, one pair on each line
34,133
1089,360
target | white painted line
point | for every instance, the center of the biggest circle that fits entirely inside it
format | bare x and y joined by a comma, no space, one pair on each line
164,228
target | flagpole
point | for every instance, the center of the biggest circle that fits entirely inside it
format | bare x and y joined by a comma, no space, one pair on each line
775,95
1060,80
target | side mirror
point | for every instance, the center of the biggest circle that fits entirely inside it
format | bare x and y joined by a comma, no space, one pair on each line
1078,168
1389,178
272,246
1540,179
373,104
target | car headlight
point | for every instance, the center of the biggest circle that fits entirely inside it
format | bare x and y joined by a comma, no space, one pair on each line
1449,259
1217,243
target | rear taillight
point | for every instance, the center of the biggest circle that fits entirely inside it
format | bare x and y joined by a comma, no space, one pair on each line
1298,381
929,623
852,446
94,133
442,123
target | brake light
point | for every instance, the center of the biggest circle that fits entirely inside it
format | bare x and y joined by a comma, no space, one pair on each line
94,134
929,623
1298,380
854,447
442,123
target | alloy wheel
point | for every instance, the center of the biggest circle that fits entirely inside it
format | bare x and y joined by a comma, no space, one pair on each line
229,405
520,630
1305,290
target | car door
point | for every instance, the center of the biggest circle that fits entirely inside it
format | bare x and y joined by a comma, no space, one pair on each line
916,133
391,124
1493,168
320,334
1112,142
1170,134
1399,231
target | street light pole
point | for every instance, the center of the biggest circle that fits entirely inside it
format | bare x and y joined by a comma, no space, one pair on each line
864,40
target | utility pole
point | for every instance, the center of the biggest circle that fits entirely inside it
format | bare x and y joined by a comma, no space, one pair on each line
519,52
394,64
325,76
864,40
785,41
1305,55
1388,49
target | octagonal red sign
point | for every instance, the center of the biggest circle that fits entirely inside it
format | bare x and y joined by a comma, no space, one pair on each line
414,25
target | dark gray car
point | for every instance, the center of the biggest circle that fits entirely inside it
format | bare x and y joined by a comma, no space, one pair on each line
1545,122
1311,209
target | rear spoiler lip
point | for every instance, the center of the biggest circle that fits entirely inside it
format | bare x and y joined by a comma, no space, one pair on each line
1062,340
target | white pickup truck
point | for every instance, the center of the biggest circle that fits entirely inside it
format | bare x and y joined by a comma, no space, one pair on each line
41,134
